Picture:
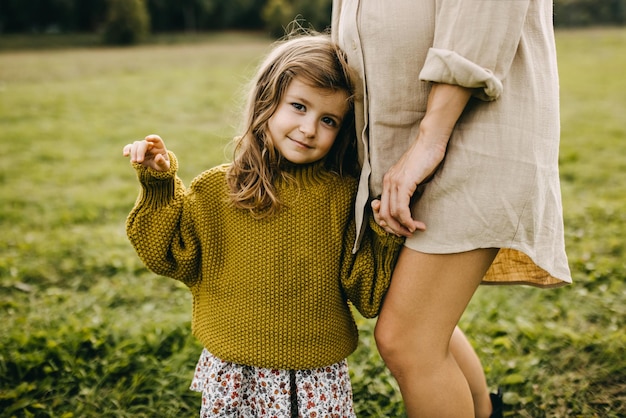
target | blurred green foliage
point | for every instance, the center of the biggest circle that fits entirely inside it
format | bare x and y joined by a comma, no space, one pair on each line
577,13
127,22
95,16
76,16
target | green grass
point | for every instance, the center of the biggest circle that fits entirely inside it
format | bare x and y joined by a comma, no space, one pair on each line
86,331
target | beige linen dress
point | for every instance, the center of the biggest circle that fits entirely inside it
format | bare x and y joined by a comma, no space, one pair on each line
499,183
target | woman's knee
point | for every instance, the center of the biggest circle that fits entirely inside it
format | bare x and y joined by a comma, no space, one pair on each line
393,343
407,345
389,345
383,339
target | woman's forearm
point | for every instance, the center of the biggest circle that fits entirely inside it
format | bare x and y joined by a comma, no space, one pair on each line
445,105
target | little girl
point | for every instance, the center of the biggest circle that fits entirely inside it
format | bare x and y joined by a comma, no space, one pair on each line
264,243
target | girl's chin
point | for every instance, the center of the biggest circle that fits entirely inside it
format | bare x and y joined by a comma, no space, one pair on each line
299,160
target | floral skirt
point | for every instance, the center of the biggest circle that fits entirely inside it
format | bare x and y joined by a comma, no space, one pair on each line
233,390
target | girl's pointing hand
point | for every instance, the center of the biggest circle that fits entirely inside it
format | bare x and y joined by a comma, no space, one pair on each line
150,152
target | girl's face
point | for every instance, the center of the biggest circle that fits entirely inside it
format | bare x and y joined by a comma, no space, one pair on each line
306,122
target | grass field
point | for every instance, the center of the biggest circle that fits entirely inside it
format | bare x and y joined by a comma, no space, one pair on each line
86,331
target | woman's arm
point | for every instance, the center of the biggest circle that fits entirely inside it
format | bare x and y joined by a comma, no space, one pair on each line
445,105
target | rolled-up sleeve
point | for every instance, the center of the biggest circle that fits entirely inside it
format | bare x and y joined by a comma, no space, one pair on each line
475,43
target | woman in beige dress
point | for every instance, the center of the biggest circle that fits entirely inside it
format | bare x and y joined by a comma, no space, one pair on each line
458,126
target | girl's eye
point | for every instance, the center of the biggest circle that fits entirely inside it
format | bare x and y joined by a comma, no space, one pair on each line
329,121
299,107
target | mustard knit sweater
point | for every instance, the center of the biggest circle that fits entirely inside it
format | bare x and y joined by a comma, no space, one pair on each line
272,292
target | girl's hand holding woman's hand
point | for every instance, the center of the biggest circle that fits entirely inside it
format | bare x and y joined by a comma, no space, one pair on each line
376,205
150,152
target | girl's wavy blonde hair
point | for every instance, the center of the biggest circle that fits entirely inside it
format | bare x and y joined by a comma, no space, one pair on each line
256,166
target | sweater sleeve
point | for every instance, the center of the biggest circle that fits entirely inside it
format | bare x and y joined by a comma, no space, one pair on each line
367,274
474,44
160,226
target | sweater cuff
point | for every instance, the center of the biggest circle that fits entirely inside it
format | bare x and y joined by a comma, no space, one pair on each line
386,245
158,187
448,67
149,174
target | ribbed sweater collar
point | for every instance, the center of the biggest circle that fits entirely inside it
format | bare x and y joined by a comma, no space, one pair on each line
305,174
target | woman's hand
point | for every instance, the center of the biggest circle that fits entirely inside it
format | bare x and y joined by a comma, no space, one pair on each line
393,211
150,152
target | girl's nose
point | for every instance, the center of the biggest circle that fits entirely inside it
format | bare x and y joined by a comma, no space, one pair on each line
307,127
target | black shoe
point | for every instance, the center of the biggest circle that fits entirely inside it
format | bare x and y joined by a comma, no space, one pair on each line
497,404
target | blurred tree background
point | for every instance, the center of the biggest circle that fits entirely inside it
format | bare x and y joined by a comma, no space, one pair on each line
115,18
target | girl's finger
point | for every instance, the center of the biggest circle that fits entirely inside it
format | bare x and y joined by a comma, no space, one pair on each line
161,162
154,140
140,148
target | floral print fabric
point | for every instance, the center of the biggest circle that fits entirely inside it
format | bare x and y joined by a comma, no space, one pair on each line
233,390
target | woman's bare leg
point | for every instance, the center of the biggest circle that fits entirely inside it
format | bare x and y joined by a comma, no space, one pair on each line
472,369
426,299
